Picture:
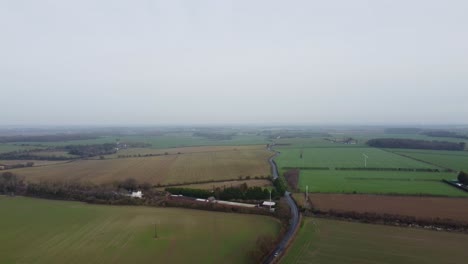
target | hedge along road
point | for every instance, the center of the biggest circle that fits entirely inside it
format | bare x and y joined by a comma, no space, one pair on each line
293,222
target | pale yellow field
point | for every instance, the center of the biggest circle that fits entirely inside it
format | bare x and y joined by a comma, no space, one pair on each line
184,168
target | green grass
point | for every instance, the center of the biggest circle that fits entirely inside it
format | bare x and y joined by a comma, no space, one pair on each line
345,157
379,182
44,231
329,242
4,147
456,160
359,181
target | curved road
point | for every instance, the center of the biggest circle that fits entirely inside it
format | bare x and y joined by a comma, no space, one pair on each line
293,222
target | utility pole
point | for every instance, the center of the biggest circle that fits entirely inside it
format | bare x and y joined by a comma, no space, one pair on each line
270,200
155,231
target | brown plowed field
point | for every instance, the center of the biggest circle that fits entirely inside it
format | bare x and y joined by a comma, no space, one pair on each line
419,207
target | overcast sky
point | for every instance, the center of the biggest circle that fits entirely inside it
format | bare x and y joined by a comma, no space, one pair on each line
230,62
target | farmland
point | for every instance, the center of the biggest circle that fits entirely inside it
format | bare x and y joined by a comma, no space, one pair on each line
11,147
182,150
236,163
379,182
456,160
419,207
345,157
385,173
66,232
330,241
168,140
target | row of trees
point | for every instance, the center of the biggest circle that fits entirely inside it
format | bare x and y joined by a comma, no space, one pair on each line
243,192
18,165
91,150
213,136
390,219
444,133
10,183
415,144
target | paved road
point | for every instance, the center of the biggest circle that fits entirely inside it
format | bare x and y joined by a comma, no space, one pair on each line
293,222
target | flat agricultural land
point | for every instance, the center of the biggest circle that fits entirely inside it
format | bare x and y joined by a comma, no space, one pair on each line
419,207
4,147
169,140
345,157
45,231
456,160
379,182
212,185
175,151
167,169
36,162
364,181
57,153
330,241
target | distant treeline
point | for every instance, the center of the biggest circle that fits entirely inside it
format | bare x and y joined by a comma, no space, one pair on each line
294,134
47,138
29,155
403,130
415,144
80,151
18,165
443,133
91,150
213,136
117,193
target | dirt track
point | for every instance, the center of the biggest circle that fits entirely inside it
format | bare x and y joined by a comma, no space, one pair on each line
419,207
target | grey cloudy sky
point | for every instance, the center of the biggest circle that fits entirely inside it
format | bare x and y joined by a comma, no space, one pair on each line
186,62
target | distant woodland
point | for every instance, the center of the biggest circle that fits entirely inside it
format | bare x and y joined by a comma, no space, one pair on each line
415,144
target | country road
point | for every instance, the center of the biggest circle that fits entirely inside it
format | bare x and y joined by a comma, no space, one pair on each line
293,222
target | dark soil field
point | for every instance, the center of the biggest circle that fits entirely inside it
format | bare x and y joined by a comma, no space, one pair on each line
419,207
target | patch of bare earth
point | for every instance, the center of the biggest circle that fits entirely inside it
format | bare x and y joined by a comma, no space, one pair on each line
419,207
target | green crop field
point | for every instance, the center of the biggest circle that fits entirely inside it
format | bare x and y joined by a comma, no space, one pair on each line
456,160
345,157
330,241
228,164
379,182
12,147
44,231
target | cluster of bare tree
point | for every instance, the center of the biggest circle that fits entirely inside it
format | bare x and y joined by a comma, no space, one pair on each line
292,178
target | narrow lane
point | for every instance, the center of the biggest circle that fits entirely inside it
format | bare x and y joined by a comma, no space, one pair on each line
293,222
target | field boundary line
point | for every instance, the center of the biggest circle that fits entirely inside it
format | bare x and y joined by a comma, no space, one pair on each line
423,161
